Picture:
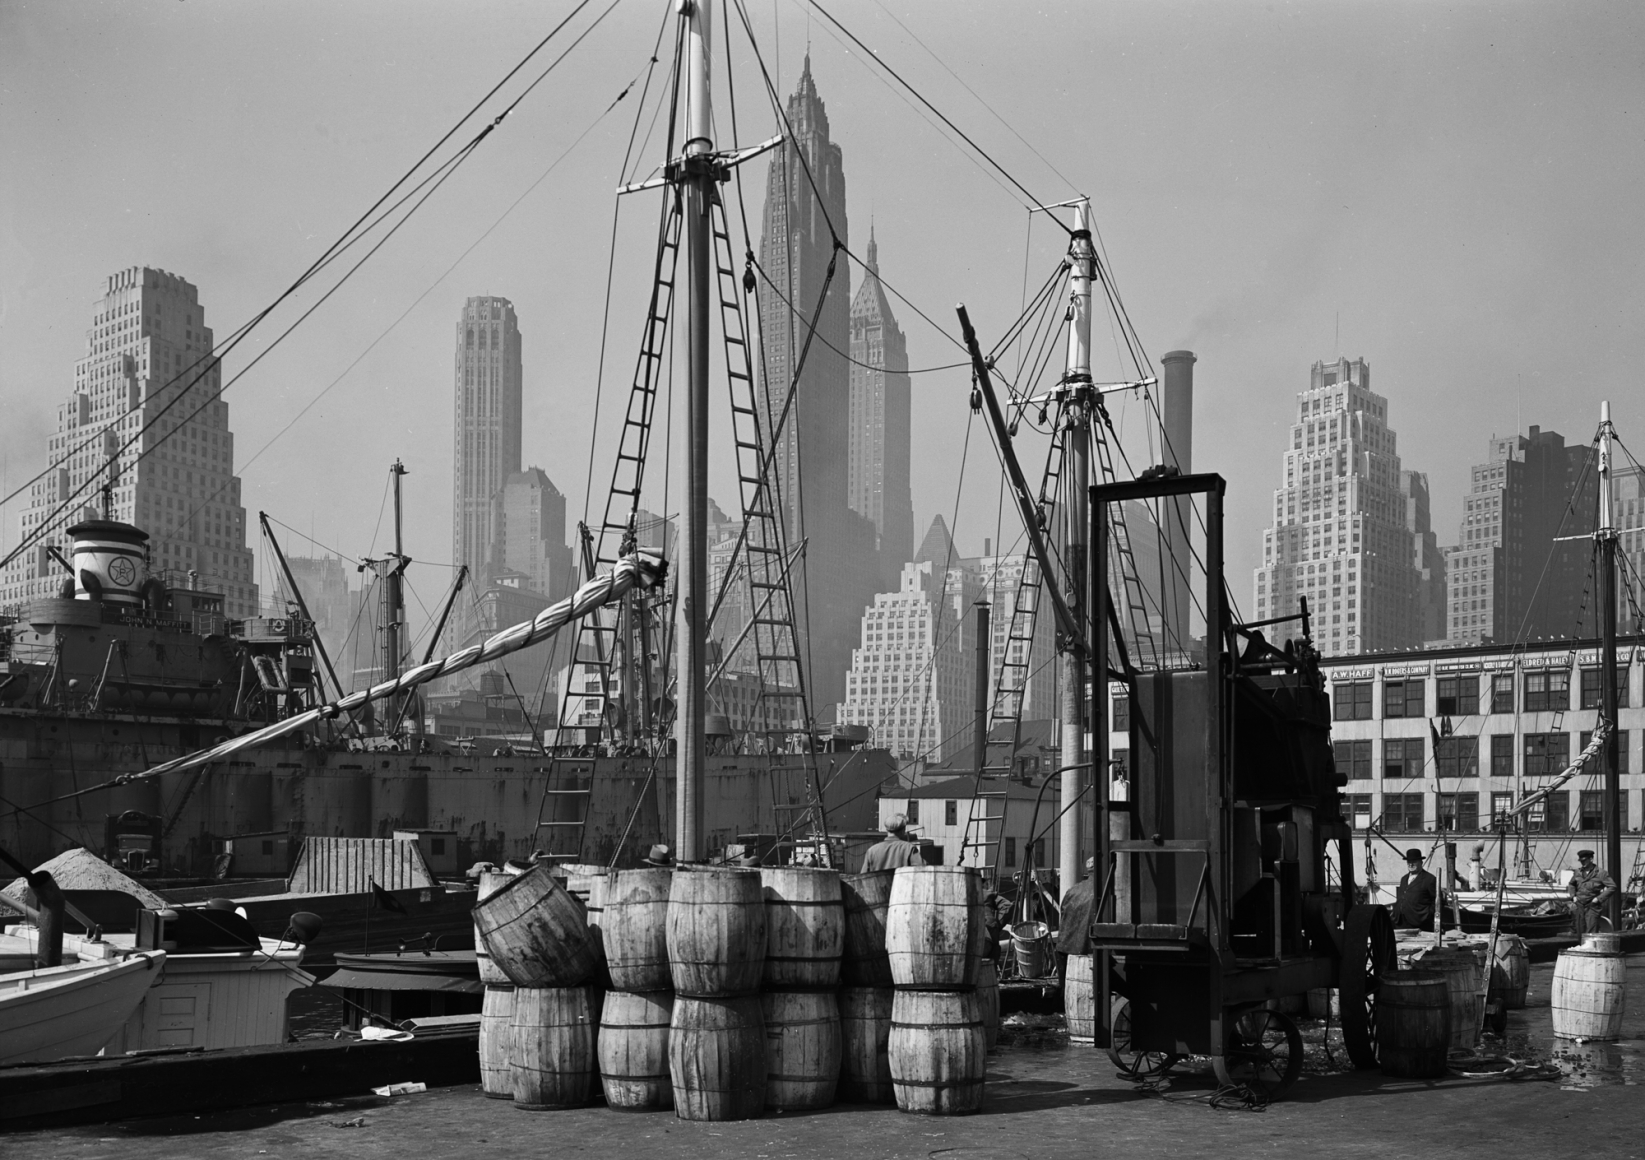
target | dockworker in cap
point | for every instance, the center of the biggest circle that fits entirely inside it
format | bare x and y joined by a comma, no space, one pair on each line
1417,896
1074,934
894,850
660,856
1591,888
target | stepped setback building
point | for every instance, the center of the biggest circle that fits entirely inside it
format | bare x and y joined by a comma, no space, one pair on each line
148,377
1339,536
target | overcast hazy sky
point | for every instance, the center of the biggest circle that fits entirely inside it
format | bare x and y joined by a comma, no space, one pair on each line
1459,184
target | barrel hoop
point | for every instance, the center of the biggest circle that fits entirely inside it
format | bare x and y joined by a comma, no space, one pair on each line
964,1026
798,990
727,996
956,1084
958,989
802,958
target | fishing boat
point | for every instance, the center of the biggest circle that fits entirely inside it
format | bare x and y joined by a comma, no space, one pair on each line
74,1009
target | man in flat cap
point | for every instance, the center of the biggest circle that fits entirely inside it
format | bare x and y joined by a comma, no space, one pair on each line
894,850
1417,894
1591,888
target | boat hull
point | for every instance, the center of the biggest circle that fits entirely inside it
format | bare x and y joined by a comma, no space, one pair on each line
72,1010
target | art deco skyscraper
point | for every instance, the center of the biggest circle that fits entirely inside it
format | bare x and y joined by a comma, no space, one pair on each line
148,368
486,426
878,482
1339,535
805,196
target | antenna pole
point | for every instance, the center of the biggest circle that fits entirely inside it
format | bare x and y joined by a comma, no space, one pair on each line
1606,535
393,599
697,175
1076,527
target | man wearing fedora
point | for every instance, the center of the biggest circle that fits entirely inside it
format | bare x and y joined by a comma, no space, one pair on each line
1417,895
1591,888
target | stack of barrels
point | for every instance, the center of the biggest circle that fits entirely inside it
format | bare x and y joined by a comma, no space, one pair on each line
537,934
935,940
1587,992
634,1020
497,1010
716,937
866,996
805,938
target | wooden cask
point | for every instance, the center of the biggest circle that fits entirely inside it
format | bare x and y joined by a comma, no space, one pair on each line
988,994
865,1033
804,926
717,1057
554,1032
634,930
633,1050
1079,1001
867,897
937,1051
1414,1012
497,1041
537,932
716,932
1513,960
1461,970
803,1046
929,927
1587,993
490,882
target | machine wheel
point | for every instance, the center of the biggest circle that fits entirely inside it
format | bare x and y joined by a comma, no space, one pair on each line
1134,1065
1367,950
1264,1052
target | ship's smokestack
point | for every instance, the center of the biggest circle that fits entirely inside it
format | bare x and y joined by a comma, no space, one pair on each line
1177,417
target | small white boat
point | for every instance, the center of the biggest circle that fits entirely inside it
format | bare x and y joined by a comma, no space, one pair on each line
72,1010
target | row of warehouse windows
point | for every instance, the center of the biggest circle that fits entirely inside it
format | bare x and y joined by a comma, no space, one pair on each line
1463,696
1408,812
1545,754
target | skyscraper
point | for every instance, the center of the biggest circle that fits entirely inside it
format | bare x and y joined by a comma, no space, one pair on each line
1426,556
485,430
148,368
804,211
529,537
1512,578
879,487
1339,535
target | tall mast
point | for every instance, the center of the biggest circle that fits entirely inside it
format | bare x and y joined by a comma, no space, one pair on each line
1606,535
696,175
393,598
1076,521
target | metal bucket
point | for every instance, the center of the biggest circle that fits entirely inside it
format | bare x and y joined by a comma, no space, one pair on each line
1032,943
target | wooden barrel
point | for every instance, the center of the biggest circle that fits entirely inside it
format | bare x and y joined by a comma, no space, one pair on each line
865,1030
1586,996
496,1041
929,933
553,1047
634,930
1079,1001
490,882
590,885
1511,973
1461,970
1414,1012
804,926
988,993
803,1046
717,1057
716,932
633,1049
937,1051
867,898
537,932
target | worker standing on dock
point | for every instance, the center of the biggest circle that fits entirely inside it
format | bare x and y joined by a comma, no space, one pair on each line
1591,888
1418,893
893,850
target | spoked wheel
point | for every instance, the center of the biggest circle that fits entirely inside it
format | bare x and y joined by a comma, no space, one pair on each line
1135,1065
1367,950
1264,1052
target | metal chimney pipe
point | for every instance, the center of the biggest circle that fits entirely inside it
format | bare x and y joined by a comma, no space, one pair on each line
1177,418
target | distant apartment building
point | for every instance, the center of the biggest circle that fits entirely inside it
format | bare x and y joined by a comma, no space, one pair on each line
1511,576
148,379
912,672
1628,514
1339,536
1426,556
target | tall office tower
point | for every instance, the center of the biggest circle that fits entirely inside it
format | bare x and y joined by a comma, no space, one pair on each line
148,368
912,672
1628,514
1339,536
805,199
529,537
1426,556
880,393
486,426
1512,579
